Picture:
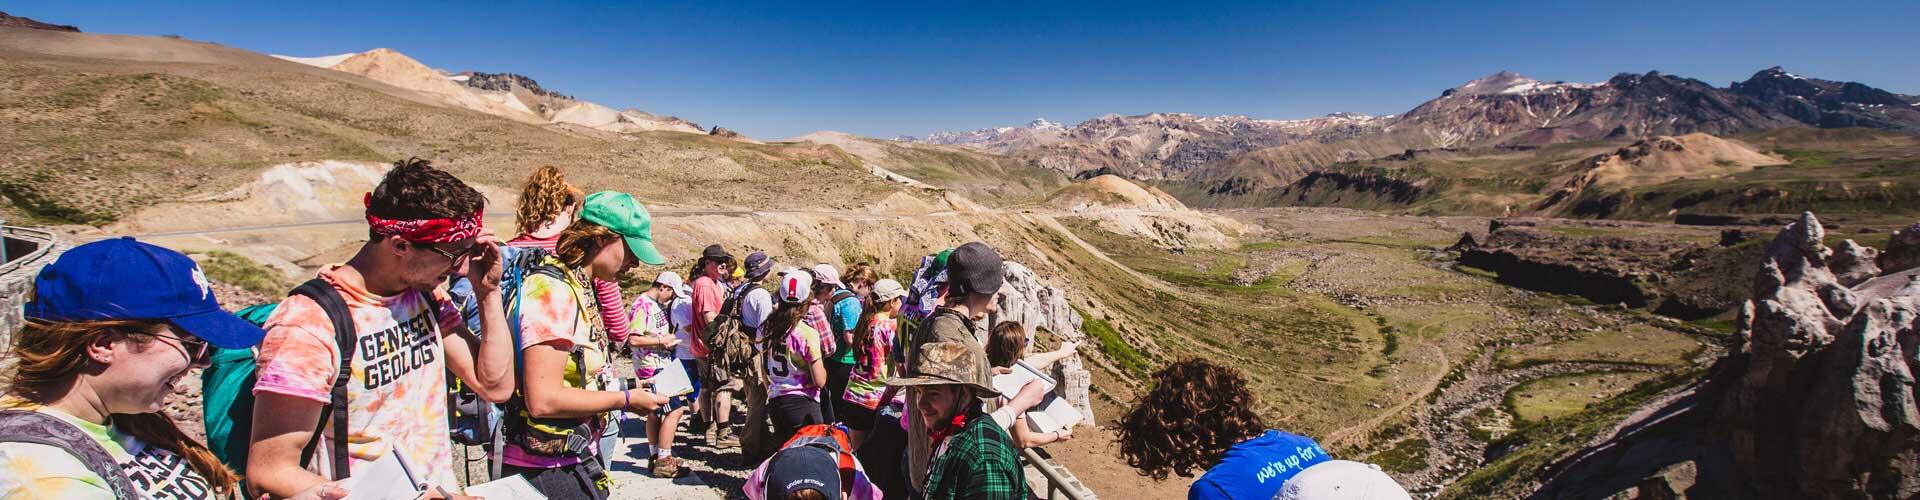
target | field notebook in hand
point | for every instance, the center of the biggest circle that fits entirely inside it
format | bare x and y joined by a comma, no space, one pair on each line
672,381
1053,413
389,478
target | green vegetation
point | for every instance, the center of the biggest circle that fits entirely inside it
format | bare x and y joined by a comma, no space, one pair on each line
237,270
1405,456
1536,445
1114,346
1807,158
1633,344
1555,397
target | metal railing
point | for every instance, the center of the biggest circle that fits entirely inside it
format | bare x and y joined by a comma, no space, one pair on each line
1061,482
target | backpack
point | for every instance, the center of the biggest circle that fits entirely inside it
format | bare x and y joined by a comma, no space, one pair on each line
730,347
833,310
27,426
227,386
539,436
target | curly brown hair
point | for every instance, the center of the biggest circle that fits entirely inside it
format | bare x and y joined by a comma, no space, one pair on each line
1195,411
544,195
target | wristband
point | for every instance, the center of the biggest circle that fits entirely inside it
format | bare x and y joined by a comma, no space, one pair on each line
626,394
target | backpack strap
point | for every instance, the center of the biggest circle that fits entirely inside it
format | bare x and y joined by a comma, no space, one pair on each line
27,426
346,338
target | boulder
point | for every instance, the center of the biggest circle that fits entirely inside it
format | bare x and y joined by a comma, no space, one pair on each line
1903,251
1854,264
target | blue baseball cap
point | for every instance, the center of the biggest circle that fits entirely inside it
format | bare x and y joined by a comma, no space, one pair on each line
123,279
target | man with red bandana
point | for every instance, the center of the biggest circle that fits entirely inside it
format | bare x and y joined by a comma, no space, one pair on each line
424,226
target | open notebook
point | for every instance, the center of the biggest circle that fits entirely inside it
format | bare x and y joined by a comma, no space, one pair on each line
1053,413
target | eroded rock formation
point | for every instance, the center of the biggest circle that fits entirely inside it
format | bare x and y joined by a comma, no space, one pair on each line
1037,304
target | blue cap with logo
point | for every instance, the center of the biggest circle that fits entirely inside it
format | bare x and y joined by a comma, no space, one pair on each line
123,279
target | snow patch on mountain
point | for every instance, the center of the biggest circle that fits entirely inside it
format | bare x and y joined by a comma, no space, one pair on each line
327,62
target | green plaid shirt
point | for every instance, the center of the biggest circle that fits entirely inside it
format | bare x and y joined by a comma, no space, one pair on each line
980,463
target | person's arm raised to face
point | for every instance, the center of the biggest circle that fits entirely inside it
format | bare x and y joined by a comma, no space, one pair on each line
282,425
485,363
548,395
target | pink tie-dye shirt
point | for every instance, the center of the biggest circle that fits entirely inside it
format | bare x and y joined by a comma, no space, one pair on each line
397,395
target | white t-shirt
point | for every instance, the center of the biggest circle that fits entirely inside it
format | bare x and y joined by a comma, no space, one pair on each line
682,316
756,307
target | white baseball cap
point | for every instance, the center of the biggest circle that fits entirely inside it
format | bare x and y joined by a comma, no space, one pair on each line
669,279
825,273
887,289
1342,480
795,287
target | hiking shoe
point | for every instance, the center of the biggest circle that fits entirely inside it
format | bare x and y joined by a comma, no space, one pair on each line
666,467
726,438
699,427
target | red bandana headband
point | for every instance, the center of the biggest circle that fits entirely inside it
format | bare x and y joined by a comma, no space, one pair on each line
426,230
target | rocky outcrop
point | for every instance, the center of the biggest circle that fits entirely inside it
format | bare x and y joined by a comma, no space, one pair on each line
1605,270
1903,251
1821,398
1853,264
1037,305
725,133
1814,399
7,21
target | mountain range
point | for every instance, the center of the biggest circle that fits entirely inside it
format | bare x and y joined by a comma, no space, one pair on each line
1500,110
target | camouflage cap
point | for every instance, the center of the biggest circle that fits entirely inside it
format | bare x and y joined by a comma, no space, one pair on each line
946,363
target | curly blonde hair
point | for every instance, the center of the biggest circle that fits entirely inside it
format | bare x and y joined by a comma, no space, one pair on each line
545,194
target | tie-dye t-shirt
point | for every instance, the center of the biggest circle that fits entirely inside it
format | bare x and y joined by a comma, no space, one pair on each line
817,318
31,471
397,396
554,311
651,319
789,368
872,369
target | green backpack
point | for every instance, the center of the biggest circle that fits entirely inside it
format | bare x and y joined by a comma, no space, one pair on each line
226,388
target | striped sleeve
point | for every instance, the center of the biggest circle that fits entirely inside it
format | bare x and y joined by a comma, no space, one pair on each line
613,312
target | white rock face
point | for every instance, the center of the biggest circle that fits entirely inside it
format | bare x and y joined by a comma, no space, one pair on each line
1036,304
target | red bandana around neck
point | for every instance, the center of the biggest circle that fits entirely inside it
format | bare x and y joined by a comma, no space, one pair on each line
426,230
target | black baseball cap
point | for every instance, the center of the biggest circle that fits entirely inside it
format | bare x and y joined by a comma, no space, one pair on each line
803,468
975,268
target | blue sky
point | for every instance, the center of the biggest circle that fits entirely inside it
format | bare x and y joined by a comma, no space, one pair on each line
778,69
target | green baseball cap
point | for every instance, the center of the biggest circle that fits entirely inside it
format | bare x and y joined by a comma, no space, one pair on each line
621,213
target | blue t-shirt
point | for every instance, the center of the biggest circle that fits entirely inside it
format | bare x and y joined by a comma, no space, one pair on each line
1256,468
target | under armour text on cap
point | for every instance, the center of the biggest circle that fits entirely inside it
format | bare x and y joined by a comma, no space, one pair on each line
621,213
975,268
124,279
793,470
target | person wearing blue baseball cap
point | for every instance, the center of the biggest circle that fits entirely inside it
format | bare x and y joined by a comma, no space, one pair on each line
112,327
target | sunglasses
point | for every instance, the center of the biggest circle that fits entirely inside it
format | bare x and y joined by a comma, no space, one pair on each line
197,351
469,252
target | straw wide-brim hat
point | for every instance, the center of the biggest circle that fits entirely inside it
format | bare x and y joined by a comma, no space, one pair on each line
946,363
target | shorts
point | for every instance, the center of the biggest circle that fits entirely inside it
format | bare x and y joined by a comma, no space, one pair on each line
674,403
855,416
791,412
582,481
718,380
693,367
